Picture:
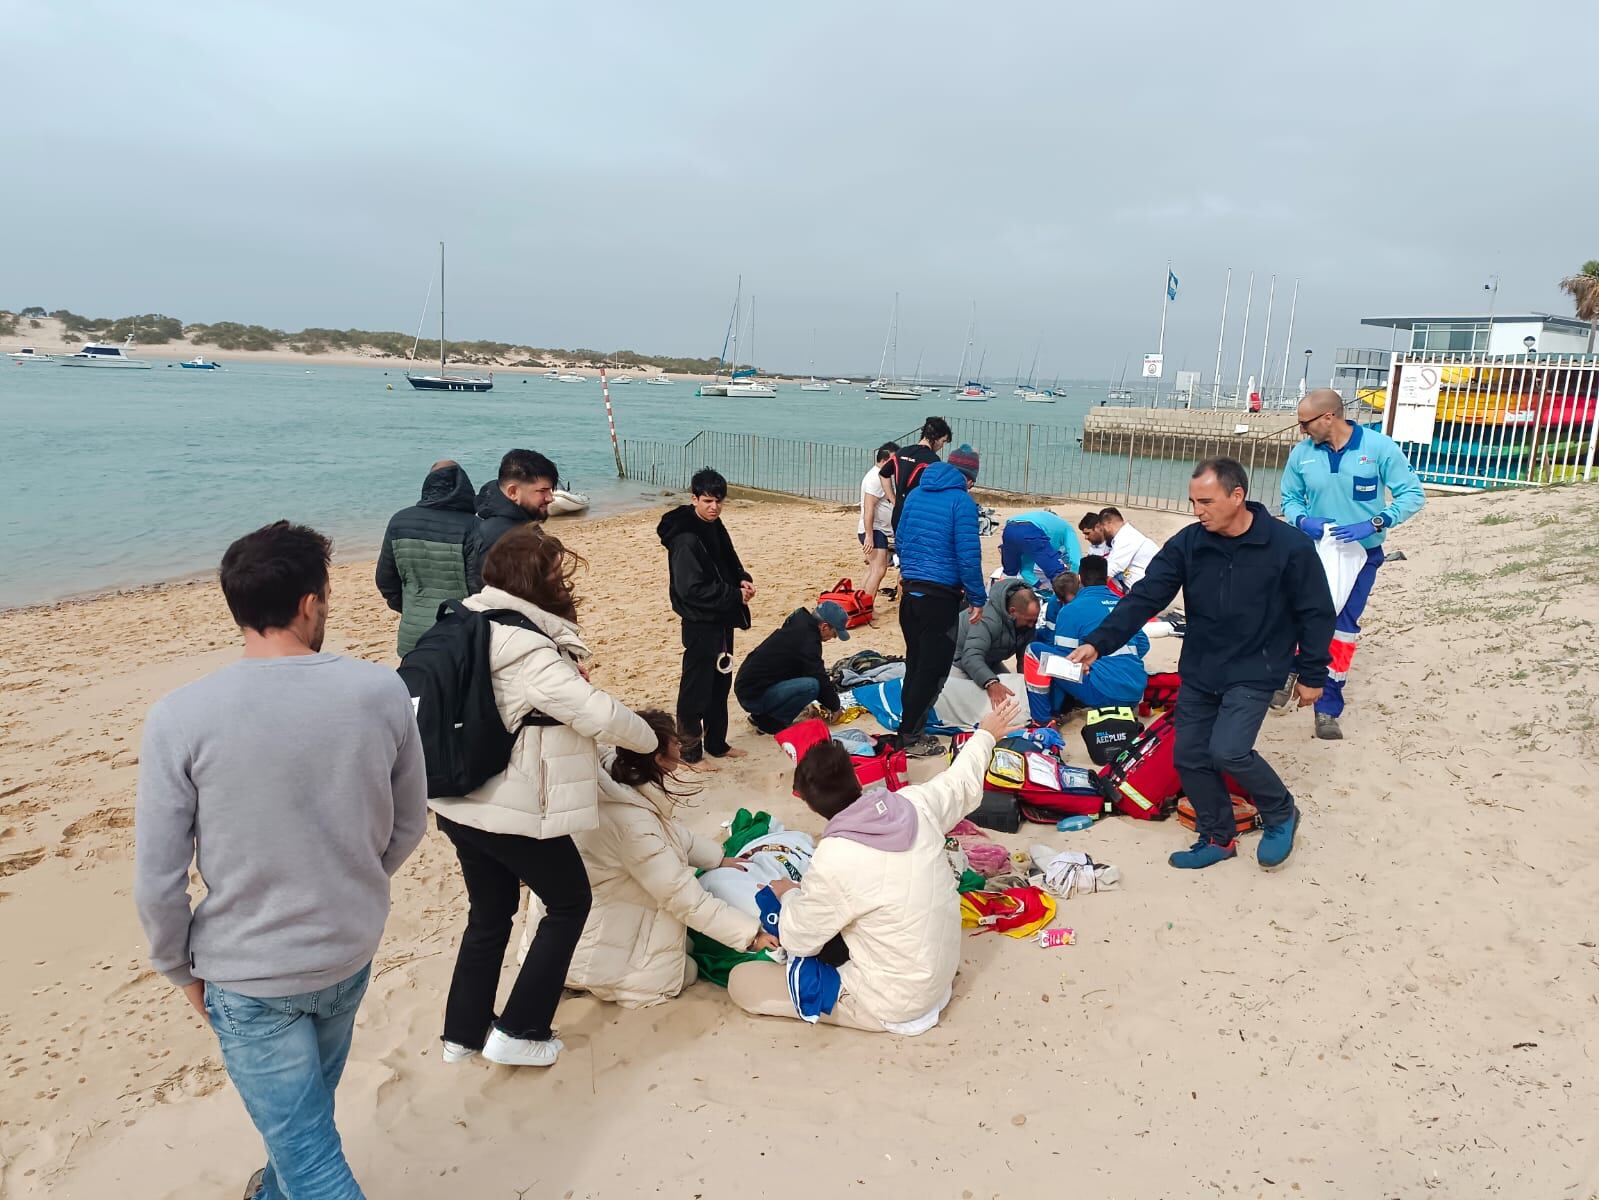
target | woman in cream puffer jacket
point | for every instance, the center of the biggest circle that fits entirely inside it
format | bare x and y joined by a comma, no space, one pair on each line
641,864
516,828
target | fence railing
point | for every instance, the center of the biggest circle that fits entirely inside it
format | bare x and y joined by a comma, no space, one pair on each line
1481,421
1143,469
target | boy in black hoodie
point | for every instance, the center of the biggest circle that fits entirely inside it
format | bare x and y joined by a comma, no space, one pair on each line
711,592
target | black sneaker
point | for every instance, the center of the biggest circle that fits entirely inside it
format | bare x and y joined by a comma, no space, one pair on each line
925,747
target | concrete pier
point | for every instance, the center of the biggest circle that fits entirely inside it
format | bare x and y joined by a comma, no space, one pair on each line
1256,439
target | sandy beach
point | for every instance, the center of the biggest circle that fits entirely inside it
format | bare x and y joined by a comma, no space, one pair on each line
1410,1008
51,338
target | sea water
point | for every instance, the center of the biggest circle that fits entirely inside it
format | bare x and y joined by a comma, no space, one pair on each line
118,477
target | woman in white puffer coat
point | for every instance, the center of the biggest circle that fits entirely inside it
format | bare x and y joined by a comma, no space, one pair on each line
641,864
516,828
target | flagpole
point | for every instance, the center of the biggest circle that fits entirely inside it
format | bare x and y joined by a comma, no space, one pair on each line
1288,346
1265,345
1160,344
1243,346
1215,381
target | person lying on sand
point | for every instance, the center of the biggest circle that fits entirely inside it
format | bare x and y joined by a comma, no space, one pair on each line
880,878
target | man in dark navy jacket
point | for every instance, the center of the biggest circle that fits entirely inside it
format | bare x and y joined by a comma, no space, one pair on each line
1258,606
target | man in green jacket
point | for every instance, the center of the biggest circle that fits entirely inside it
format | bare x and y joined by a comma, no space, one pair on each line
424,556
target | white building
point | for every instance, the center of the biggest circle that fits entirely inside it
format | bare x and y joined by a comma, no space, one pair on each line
1500,333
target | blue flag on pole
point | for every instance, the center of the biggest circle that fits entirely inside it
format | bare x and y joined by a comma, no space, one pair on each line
1171,285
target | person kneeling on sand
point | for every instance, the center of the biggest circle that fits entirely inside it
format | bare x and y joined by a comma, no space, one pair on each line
880,878
784,678
641,864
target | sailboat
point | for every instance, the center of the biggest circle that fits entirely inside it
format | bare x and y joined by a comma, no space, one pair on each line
970,389
444,381
1029,390
814,384
744,384
1120,392
715,387
885,387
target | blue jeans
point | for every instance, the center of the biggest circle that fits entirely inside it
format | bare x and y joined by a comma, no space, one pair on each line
285,1055
1216,734
781,703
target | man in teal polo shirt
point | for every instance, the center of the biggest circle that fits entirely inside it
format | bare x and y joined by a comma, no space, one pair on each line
1358,482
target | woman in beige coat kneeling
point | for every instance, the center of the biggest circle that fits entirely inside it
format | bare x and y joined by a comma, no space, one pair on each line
641,864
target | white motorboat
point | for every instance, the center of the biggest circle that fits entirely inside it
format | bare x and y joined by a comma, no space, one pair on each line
99,354
749,389
897,391
26,355
657,381
816,385
570,379
621,379
566,503
842,382
552,374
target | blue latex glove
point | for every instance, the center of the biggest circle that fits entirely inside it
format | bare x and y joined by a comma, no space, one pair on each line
1313,526
1358,532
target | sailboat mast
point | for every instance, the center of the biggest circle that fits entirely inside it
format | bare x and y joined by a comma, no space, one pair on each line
893,316
441,308
753,367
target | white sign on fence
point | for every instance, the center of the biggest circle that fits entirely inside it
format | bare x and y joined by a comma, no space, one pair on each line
1152,365
1416,405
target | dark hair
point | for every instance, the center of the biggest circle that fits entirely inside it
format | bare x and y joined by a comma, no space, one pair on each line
708,481
825,779
1066,585
536,567
1112,512
1091,520
636,768
934,428
1229,472
1094,570
524,466
265,574
1022,597
887,451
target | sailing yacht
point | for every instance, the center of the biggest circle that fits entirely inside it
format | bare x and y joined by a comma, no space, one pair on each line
884,385
444,381
743,385
970,389
814,384
1120,391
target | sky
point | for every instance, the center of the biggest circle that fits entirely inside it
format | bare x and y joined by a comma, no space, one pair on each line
605,173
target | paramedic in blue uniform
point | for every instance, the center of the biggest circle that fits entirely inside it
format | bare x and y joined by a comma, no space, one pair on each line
1360,484
1118,681
1258,606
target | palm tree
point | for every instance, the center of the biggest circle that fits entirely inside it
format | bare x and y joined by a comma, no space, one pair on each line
1583,288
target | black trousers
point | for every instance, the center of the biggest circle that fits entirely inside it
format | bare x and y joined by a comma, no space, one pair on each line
928,623
495,866
1216,734
703,690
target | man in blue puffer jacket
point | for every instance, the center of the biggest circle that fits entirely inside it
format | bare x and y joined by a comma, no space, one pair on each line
941,569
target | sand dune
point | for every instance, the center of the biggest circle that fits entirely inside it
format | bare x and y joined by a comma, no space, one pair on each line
1408,1009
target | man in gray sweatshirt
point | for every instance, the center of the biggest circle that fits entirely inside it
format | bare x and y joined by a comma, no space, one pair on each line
294,781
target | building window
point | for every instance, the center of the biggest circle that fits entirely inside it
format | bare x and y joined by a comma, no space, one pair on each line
1452,338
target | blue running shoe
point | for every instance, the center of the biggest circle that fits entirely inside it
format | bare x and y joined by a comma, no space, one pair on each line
1277,842
1204,853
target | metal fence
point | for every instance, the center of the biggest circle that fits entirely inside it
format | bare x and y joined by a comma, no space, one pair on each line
1481,421
1147,469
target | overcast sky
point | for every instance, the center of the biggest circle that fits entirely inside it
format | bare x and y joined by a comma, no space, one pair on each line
603,173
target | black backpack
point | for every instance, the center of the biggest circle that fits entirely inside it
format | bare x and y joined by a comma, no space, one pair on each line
464,739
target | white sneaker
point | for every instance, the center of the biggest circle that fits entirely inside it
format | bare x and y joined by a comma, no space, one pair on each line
521,1052
454,1052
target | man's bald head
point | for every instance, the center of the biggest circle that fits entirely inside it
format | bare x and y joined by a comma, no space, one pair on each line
441,464
1319,402
1319,414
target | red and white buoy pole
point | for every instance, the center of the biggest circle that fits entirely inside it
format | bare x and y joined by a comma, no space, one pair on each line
610,417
